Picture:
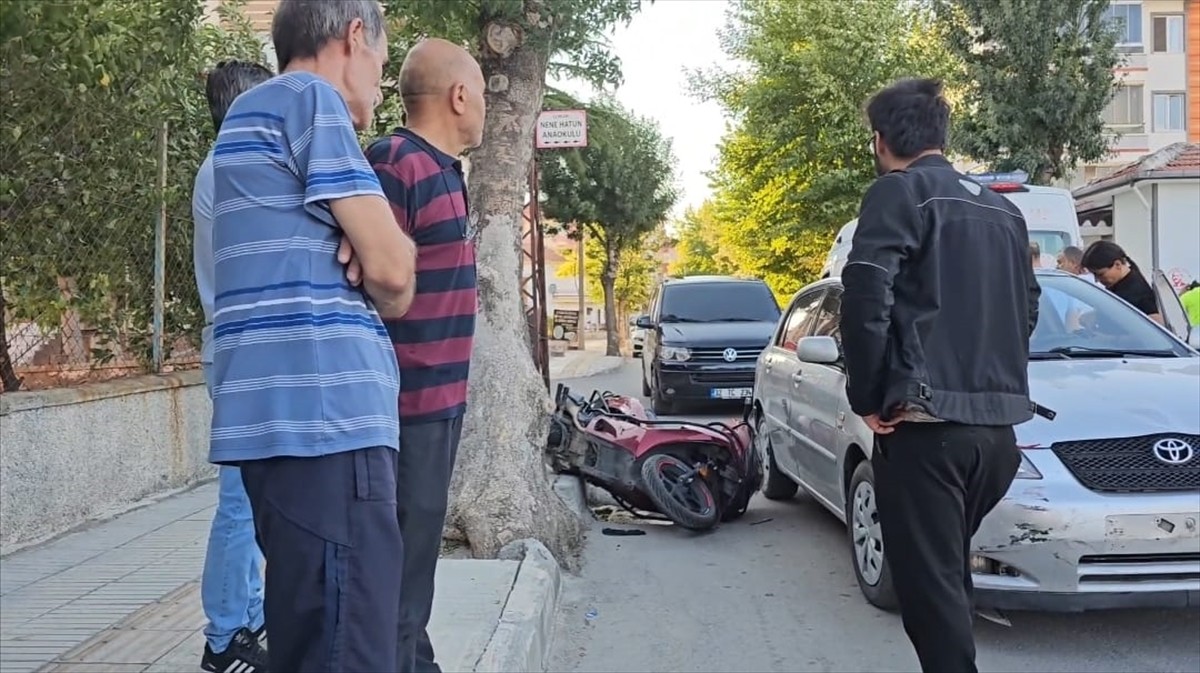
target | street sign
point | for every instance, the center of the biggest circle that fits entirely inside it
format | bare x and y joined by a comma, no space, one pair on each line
566,324
561,128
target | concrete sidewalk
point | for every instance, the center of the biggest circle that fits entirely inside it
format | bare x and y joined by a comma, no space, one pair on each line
123,596
590,361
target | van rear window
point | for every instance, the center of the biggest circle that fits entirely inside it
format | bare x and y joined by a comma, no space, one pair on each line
1045,211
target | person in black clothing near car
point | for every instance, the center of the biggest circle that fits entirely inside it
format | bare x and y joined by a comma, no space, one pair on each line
1114,270
940,301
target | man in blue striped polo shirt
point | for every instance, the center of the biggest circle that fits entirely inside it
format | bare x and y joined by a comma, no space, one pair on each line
304,377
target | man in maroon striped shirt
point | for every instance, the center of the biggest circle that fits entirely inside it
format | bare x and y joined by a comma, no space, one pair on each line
443,91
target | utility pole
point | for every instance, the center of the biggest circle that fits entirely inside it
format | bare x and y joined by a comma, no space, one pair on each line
582,327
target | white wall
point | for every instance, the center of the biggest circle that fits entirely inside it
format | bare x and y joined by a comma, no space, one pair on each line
76,454
1179,230
1131,225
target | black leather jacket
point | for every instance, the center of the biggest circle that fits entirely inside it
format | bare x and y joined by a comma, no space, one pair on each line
940,300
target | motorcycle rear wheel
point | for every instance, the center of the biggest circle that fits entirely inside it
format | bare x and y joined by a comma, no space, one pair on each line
688,502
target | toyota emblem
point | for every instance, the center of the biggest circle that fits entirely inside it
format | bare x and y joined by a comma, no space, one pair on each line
1173,451
730,355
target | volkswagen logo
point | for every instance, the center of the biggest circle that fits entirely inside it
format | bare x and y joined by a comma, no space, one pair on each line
730,355
1173,451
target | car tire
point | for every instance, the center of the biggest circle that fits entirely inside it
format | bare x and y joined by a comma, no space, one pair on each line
661,405
645,385
867,554
775,484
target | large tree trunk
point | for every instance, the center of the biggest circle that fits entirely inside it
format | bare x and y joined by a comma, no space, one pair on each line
501,490
608,279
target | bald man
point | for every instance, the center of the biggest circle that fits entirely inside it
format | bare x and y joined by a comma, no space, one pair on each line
443,91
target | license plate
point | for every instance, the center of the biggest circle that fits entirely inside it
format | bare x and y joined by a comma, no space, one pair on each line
1153,526
730,393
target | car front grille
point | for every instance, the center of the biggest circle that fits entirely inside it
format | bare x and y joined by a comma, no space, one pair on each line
718,355
1132,463
1112,569
727,378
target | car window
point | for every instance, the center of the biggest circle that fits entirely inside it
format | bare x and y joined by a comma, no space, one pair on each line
799,319
827,319
1077,315
719,302
1050,242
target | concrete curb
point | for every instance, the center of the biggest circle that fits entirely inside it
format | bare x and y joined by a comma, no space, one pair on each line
604,365
525,632
573,491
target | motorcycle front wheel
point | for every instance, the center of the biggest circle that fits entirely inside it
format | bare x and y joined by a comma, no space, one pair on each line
679,492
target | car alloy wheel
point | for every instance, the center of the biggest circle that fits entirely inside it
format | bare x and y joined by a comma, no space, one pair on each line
868,540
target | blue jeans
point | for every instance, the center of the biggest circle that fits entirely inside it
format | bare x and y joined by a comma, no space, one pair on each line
231,588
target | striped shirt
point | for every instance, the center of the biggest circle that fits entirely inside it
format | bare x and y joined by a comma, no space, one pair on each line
433,340
302,365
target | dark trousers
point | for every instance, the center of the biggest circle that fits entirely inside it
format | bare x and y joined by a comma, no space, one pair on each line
423,469
327,527
934,483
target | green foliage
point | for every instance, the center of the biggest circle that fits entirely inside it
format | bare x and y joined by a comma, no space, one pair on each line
88,86
572,32
1036,76
620,186
618,189
700,244
796,162
635,275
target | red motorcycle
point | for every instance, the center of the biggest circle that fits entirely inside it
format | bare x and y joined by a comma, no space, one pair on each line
695,474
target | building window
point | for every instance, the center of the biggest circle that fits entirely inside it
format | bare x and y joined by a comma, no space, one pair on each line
1124,111
1168,34
1170,112
1127,17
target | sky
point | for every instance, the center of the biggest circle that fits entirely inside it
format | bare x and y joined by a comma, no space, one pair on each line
663,42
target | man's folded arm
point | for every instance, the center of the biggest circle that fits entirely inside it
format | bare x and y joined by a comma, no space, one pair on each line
338,176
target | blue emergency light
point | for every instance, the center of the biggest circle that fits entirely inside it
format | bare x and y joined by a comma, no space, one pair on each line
1011,177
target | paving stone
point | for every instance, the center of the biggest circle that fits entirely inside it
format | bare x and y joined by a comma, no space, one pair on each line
127,646
85,667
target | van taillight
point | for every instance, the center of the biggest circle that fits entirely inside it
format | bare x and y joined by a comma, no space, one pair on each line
1005,187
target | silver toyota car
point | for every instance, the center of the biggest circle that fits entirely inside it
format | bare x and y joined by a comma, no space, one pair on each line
1105,508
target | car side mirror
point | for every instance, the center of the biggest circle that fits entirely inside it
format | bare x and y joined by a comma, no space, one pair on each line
644,322
821,350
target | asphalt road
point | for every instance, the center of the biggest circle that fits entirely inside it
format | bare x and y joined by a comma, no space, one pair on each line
775,592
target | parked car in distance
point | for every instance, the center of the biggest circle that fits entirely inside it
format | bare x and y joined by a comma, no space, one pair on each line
703,338
1049,215
637,336
1105,508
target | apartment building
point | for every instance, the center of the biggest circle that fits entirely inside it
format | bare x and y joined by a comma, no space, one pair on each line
1158,100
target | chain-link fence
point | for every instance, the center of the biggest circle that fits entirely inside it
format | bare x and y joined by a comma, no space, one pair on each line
101,134
98,280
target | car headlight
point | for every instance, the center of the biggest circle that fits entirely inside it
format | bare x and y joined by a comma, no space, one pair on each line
674,354
1026,470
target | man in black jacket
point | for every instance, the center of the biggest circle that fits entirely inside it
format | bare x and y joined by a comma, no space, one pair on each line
940,300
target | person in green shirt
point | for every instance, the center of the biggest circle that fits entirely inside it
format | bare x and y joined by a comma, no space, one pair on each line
1191,302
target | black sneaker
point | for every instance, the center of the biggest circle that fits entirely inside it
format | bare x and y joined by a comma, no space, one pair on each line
244,655
260,635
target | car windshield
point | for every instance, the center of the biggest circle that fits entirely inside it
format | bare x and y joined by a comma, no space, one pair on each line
1078,319
719,302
